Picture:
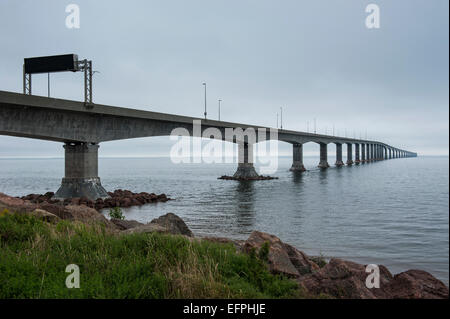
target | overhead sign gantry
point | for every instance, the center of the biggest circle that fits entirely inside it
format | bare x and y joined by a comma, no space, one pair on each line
58,63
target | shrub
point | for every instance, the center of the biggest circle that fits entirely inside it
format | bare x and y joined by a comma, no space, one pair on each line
116,213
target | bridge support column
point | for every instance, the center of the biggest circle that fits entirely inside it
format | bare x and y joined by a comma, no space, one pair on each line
297,154
372,155
390,153
245,169
357,160
323,156
339,161
363,153
349,154
81,173
385,153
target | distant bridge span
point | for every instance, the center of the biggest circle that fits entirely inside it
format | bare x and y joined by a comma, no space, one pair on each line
82,129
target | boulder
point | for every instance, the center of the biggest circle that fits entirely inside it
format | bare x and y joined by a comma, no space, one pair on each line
174,224
148,228
15,204
282,258
46,216
345,279
417,284
221,240
58,210
86,215
125,224
300,260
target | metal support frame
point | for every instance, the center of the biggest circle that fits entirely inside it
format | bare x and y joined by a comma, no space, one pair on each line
26,82
86,66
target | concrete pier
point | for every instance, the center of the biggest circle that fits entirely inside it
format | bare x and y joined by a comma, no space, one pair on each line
339,161
81,173
245,169
372,154
297,158
363,153
323,156
357,158
349,154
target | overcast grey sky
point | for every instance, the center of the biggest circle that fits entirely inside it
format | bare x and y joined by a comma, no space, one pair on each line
315,58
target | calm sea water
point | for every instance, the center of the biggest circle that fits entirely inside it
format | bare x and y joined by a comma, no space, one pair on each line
393,212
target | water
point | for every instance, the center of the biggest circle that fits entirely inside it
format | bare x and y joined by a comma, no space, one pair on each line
391,212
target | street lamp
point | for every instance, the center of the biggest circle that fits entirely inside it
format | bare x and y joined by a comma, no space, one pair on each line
204,84
219,108
281,118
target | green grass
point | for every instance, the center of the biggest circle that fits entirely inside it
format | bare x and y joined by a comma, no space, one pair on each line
34,256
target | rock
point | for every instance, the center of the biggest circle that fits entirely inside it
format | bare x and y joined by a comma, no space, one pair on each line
174,224
86,215
125,224
221,240
414,284
15,204
58,210
345,279
46,216
282,258
148,228
300,260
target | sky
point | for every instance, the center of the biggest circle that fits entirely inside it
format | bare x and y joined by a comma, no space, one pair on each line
316,59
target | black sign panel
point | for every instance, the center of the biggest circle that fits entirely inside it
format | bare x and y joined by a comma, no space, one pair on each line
55,63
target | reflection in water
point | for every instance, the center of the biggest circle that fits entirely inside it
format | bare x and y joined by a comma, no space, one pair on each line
297,177
245,213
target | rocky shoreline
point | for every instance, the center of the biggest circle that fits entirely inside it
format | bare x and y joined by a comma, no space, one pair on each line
118,198
336,278
257,178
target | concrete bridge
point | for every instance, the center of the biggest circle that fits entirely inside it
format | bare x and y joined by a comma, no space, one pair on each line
82,129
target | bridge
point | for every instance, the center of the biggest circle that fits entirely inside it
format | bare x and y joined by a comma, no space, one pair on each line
82,128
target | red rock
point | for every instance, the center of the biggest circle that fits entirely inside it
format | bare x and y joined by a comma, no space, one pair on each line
282,258
345,279
417,284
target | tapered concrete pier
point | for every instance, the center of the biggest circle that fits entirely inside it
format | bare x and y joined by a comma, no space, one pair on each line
245,169
363,153
323,156
357,159
349,154
297,161
81,173
339,161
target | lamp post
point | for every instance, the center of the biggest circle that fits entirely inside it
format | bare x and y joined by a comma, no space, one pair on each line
204,84
281,117
219,108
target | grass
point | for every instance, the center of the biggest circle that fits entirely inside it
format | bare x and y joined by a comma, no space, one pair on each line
34,256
